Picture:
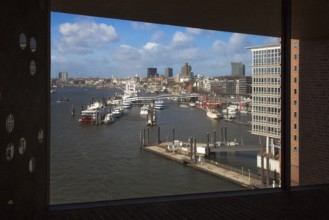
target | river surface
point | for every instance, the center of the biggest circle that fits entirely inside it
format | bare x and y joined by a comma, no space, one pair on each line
96,163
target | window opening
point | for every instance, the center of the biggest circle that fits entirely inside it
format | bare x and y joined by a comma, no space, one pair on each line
96,110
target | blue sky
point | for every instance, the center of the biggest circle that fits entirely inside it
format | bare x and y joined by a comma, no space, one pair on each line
87,46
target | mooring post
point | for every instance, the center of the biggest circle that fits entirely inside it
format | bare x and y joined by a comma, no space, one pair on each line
148,137
221,135
144,144
225,135
214,138
147,118
173,136
191,148
207,149
194,150
159,135
141,139
267,170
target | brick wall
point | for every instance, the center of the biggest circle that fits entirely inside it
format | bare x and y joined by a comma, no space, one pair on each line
294,108
314,112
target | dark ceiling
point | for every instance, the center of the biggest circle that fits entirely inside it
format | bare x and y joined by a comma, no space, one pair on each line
261,17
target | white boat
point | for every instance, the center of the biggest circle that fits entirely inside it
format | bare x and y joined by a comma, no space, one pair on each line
95,105
90,117
211,113
145,110
192,104
109,118
243,111
229,111
118,112
159,104
126,104
130,90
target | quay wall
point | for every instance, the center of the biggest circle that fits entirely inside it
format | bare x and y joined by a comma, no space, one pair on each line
210,168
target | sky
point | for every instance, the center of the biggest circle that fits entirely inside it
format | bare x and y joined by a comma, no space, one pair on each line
87,46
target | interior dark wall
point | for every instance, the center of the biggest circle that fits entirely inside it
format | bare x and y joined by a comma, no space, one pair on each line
23,194
225,15
314,109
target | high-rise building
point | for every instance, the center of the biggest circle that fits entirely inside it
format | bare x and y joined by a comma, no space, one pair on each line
241,86
151,72
238,69
63,76
186,70
266,96
266,93
168,72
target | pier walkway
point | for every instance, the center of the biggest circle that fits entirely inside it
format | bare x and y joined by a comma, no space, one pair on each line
210,168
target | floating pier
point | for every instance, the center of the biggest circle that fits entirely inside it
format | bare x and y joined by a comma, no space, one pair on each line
167,150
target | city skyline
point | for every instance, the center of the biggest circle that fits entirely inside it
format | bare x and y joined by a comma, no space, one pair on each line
87,46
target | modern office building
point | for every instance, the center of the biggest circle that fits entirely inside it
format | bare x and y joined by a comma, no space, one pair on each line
63,76
152,72
241,87
168,72
238,69
266,96
266,92
186,70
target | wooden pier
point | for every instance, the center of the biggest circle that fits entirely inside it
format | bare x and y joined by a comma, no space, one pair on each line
213,168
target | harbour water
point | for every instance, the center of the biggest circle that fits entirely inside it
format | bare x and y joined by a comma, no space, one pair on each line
96,163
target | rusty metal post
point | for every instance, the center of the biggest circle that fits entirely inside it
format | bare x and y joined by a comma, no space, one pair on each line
144,134
148,137
207,149
214,139
141,139
191,148
194,150
158,135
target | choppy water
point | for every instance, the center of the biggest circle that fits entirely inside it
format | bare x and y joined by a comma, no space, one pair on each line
96,163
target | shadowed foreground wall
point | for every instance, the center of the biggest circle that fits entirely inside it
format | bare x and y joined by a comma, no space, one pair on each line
314,112
23,108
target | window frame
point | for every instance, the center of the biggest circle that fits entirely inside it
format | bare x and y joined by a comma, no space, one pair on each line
285,136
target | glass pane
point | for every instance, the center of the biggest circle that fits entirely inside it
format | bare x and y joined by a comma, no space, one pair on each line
122,106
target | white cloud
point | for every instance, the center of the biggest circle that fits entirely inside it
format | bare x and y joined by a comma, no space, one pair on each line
194,31
84,36
126,53
232,50
151,46
236,44
142,25
158,36
272,40
181,39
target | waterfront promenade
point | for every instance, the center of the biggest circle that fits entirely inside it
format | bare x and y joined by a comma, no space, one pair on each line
204,166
